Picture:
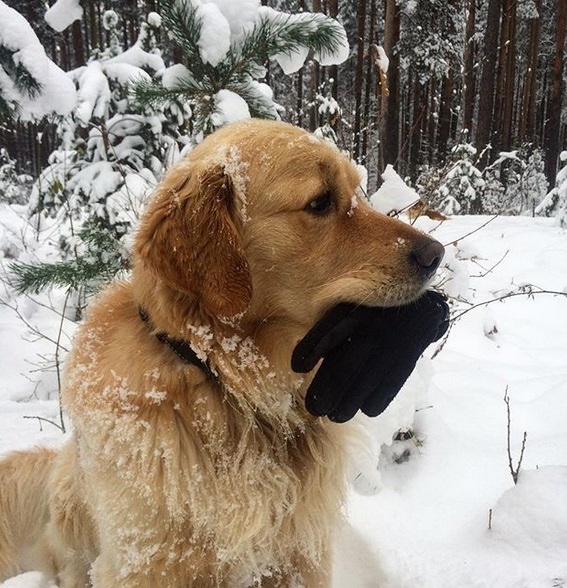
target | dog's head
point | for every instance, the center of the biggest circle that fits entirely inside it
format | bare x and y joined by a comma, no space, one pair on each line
267,221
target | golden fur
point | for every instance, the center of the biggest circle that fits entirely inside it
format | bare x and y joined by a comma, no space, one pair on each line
172,478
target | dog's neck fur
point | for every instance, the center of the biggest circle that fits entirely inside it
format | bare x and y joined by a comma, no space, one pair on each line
235,351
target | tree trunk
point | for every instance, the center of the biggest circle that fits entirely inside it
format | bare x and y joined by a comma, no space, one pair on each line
469,73
358,82
486,90
79,57
389,115
420,110
366,119
504,110
334,69
93,22
315,75
300,75
553,126
527,126
445,116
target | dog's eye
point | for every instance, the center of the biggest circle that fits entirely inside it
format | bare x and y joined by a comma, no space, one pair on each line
321,205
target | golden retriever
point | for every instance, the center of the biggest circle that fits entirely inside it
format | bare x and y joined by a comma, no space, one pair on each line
182,475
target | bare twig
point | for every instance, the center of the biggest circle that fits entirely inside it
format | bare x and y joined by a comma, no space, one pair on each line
43,420
514,471
490,269
57,359
525,292
444,340
32,328
479,228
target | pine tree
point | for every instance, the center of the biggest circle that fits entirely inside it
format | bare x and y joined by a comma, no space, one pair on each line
555,202
112,153
112,150
329,113
534,183
225,59
462,187
14,187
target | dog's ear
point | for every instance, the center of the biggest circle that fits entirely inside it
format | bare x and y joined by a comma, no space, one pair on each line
189,238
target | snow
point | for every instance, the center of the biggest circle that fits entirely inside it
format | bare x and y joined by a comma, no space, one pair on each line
394,194
154,20
57,93
292,61
229,107
529,517
382,59
555,202
63,14
139,58
239,15
214,41
125,73
176,76
28,580
94,92
441,509
338,55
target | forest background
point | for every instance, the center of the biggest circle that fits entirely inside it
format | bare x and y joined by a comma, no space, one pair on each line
429,85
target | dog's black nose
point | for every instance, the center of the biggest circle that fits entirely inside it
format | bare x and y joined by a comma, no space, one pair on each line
428,256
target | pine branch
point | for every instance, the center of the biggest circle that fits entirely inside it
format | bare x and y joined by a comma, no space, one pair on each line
22,78
183,24
6,112
273,33
155,95
259,104
282,33
101,264
35,278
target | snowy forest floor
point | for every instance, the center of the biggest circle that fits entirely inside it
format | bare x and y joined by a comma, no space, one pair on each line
427,523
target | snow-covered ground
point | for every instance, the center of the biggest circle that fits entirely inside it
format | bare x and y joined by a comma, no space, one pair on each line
449,514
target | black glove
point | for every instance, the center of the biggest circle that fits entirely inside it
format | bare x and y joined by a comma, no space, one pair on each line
368,353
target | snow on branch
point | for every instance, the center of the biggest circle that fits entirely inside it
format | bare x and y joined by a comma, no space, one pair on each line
31,85
63,14
225,51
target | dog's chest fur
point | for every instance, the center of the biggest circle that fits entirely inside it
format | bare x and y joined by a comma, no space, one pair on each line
207,464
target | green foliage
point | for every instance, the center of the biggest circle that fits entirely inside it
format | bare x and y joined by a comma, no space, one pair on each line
555,202
23,81
101,261
270,35
14,187
462,187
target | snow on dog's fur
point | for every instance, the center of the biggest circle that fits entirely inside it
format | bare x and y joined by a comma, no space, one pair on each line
176,478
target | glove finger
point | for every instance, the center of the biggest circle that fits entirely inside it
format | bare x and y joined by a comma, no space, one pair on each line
443,327
392,382
442,309
334,379
366,384
331,331
419,323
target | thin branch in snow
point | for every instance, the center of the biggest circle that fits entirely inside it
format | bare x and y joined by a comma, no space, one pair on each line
61,427
490,269
491,219
526,290
514,471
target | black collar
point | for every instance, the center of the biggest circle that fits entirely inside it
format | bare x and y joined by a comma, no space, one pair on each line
180,347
